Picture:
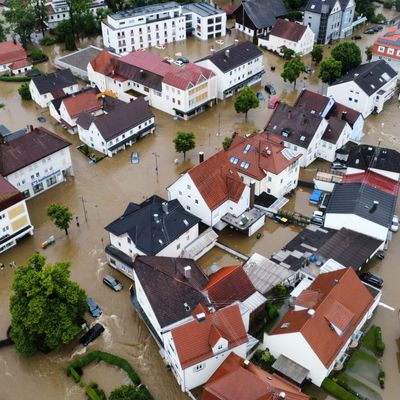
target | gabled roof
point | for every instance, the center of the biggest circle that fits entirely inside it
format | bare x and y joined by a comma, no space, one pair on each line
104,63
149,236
55,82
365,156
344,301
391,39
192,339
217,181
333,130
234,380
288,30
9,195
233,56
172,297
11,52
370,77
25,149
85,101
227,285
315,6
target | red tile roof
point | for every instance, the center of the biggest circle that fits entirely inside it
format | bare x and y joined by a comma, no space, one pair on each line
20,64
192,340
374,180
82,102
187,75
341,287
227,285
307,298
339,315
11,53
264,155
233,381
288,30
217,181
104,63
9,195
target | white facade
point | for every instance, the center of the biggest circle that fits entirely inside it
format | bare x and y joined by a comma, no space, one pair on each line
327,150
43,174
189,196
275,43
5,68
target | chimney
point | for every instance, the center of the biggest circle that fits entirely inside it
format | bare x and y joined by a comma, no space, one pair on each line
344,115
335,281
188,272
201,156
156,218
164,206
14,41
311,312
30,128
246,363
282,396
201,317
252,194
227,53
141,73
374,206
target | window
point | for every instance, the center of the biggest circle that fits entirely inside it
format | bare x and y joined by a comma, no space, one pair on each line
199,367
246,148
244,165
391,51
51,181
178,246
381,49
189,187
129,240
234,160
112,261
188,208
37,188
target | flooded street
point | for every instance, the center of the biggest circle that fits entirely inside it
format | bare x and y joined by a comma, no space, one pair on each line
106,188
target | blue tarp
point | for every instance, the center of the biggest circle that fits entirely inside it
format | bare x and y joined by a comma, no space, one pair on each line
316,196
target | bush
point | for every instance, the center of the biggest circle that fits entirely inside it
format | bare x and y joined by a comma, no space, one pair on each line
380,345
47,41
7,78
388,4
280,290
337,391
272,311
91,393
37,54
24,92
378,19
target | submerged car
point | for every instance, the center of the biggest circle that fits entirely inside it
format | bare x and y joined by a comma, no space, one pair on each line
371,279
395,224
94,309
92,334
338,165
369,31
270,89
113,283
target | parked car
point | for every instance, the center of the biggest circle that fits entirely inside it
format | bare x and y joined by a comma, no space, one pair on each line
373,280
316,196
113,283
94,309
395,224
135,157
378,27
356,37
317,220
185,60
308,70
380,255
270,89
273,103
369,31
338,165
179,63
281,220
93,333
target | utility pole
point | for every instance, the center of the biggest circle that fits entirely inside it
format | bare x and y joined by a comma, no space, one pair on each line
84,208
156,159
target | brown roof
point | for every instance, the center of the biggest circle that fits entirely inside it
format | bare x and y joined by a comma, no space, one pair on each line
342,295
288,30
233,380
9,195
227,285
192,340
104,63
217,181
82,102
265,154
28,148
333,130
11,52
308,298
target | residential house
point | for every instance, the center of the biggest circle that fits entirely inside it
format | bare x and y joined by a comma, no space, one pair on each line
330,19
34,160
119,126
235,66
257,17
45,88
387,47
264,160
14,217
366,88
66,110
13,59
364,202
182,91
237,378
197,348
154,227
315,333
327,107
288,35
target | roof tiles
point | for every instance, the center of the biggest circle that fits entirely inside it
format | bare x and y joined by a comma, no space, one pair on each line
288,30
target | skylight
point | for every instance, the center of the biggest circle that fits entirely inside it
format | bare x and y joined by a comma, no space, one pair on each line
285,325
185,222
234,160
244,165
288,154
302,138
386,76
246,149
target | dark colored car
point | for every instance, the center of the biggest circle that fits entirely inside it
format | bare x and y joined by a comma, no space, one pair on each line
94,309
185,60
270,89
378,28
113,283
380,255
356,37
93,333
369,31
373,280
308,70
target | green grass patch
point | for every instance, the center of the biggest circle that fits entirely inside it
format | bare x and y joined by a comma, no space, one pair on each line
356,386
373,340
360,355
337,391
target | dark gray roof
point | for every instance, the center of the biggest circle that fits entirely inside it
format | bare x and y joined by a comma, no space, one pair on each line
369,77
315,6
55,81
358,199
119,117
136,74
333,130
171,296
239,54
263,13
293,125
80,58
365,156
202,9
150,236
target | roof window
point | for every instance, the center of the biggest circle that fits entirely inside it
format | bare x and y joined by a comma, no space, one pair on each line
234,160
285,325
246,148
244,165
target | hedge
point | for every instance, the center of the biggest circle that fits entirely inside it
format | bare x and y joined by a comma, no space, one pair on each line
91,393
336,390
7,78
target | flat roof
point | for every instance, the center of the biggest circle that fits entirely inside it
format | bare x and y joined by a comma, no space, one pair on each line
150,9
202,9
291,369
80,58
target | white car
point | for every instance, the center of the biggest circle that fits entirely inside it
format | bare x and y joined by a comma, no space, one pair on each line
179,63
395,224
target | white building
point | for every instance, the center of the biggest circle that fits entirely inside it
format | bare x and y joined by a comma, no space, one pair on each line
182,91
325,319
14,217
196,349
366,88
13,59
236,66
35,161
46,88
288,35
387,47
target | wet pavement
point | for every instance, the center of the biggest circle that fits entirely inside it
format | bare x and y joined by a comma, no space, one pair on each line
107,187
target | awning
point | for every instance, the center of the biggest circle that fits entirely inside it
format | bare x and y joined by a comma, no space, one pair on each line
291,369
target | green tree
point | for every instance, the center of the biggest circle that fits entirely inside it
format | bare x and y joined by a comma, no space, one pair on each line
397,5
330,70
37,54
292,69
366,8
184,141
317,53
21,19
24,91
41,16
60,215
288,53
379,19
388,4
130,392
255,38
226,143
3,36
349,54
245,101
44,306
368,53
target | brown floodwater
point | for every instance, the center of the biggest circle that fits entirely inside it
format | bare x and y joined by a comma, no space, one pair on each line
107,187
